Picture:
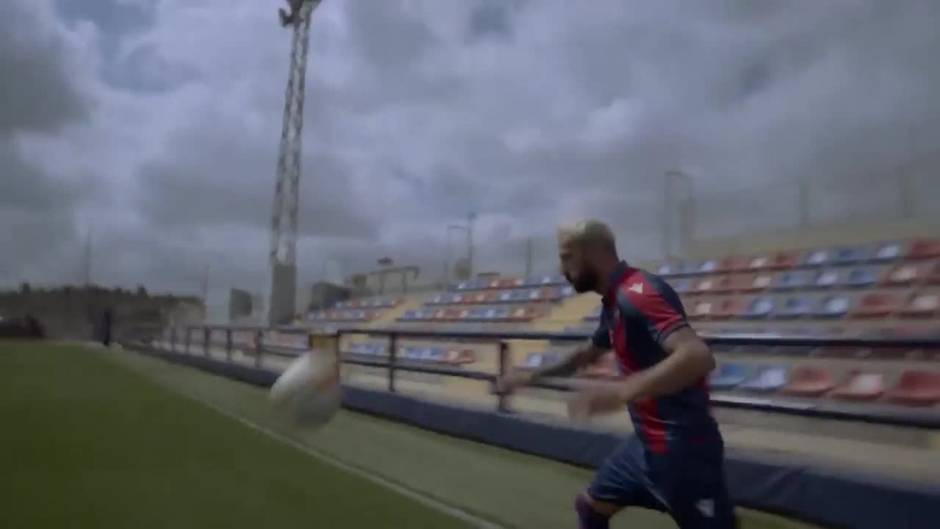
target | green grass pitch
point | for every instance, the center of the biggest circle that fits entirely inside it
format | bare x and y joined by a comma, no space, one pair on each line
113,439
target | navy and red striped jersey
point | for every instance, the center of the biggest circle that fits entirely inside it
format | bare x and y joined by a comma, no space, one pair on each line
640,311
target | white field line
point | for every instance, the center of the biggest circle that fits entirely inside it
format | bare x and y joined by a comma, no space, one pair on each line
423,499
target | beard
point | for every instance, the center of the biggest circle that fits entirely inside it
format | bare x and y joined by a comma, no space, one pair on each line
586,281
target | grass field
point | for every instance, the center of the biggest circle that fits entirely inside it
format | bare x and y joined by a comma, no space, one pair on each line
113,439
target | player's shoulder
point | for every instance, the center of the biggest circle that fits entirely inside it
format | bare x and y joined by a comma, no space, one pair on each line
639,284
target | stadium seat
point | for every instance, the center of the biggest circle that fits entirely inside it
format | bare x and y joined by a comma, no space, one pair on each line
923,305
860,386
784,260
793,280
766,379
876,305
933,273
906,274
917,388
809,382
681,286
829,278
734,264
833,306
727,308
924,249
667,269
818,257
728,376
861,277
759,262
706,285
724,284
851,254
760,307
794,307
754,282
708,266
702,309
888,251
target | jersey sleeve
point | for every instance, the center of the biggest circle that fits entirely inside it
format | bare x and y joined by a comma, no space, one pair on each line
601,337
657,307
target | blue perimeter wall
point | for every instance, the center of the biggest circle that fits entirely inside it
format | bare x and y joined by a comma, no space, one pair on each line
833,498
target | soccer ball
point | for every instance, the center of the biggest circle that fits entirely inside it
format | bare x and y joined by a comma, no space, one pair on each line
308,394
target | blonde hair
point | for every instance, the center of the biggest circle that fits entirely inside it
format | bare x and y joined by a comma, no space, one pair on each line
588,233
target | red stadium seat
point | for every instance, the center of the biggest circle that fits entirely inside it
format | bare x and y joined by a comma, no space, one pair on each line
477,298
917,388
924,249
925,305
906,274
877,305
753,282
725,284
933,274
861,386
734,264
783,260
706,285
809,382
729,308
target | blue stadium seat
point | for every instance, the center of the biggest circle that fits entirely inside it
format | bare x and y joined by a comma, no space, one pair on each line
795,307
793,280
478,314
708,266
761,307
888,251
851,254
833,306
819,257
682,286
829,278
766,379
668,269
689,267
519,295
861,277
729,375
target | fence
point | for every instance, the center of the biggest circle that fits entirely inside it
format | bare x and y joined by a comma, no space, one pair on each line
289,343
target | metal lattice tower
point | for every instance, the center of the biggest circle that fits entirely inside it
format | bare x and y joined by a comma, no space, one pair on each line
283,252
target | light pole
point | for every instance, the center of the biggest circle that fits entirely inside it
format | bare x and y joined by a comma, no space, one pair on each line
678,200
451,228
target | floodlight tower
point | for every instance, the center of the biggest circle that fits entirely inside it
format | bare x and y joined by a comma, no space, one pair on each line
283,256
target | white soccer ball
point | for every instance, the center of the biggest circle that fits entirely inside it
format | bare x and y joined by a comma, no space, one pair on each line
308,393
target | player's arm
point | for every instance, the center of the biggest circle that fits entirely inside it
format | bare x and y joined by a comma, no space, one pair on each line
586,355
570,364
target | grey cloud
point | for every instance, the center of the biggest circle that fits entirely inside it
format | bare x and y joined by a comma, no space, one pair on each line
227,179
36,94
526,112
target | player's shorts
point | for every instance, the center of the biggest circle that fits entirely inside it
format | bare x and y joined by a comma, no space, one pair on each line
688,483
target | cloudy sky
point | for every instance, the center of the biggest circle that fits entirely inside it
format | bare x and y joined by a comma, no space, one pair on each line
153,125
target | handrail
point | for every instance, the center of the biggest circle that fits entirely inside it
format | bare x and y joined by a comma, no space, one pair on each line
727,340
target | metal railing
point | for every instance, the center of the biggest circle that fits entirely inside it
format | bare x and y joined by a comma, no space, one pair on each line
303,340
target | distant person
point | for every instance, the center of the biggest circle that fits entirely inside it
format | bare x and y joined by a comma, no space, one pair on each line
675,462
106,323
